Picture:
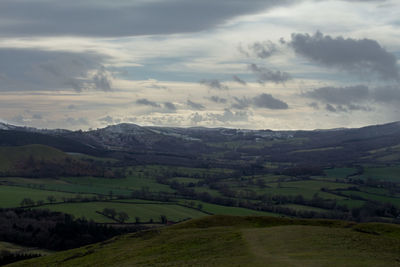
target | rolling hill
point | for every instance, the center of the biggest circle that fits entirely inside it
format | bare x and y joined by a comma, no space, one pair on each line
37,160
242,241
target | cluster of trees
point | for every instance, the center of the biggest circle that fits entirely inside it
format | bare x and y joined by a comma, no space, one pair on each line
28,202
273,203
53,230
120,216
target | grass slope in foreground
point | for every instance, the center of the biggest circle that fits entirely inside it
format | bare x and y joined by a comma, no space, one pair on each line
242,241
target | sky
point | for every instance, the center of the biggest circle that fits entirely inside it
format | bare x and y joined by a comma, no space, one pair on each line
255,64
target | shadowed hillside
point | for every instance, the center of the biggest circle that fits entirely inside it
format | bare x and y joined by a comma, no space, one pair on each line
242,241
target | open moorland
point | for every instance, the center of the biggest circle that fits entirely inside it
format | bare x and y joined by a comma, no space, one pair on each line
242,241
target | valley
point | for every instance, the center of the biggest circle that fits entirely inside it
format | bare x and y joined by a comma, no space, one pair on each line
130,178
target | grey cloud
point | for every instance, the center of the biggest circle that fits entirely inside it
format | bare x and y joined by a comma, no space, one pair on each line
243,51
107,119
102,80
314,105
238,80
349,98
387,94
241,103
218,99
194,105
121,18
259,101
266,75
363,56
358,107
169,106
270,102
330,108
195,118
34,70
156,86
340,95
146,102
18,119
76,121
214,84
263,50
166,107
340,108
37,116
229,116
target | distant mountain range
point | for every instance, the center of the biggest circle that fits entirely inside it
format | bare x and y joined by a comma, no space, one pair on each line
217,146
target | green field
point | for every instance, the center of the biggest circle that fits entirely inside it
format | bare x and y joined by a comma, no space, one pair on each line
289,189
128,183
185,180
341,173
351,203
391,174
242,241
225,210
11,196
383,199
153,170
144,211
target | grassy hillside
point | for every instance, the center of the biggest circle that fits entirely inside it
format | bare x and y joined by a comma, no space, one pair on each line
243,241
11,156
13,248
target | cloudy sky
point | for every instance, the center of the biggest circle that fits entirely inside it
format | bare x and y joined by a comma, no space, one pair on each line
258,64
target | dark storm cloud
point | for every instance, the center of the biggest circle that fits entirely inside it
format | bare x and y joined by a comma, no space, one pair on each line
363,56
146,102
214,84
29,69
194,105
238,80
121,17
268,101
266,75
